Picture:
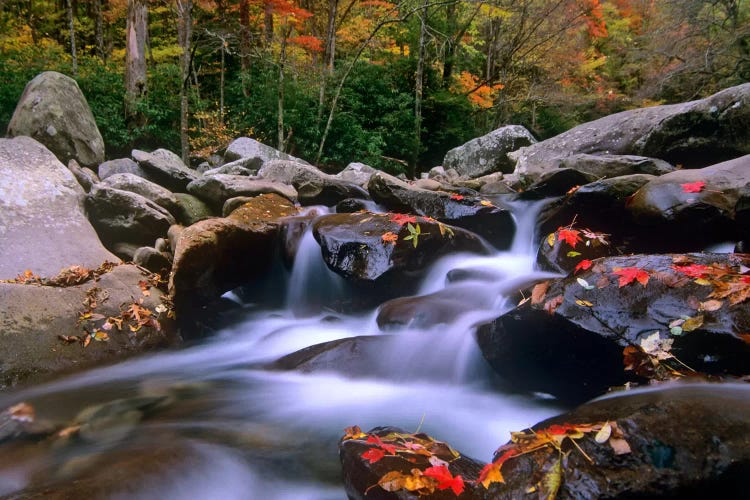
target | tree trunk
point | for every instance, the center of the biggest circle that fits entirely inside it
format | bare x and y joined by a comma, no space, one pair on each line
452,42
135,60
330,55
268,22
221,82
245,45
280,90
71,27
418,90
99,30
184,35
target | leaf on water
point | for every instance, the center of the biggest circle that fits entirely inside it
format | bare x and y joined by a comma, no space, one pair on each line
583,265
584,284
584,303
539,292
630,274
693,187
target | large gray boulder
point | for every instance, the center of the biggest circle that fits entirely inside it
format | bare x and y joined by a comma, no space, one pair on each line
357,173
152,191
43,226
606,166
165,168
216,189
53,110
313,186
254,153
693,134
488,153
121,166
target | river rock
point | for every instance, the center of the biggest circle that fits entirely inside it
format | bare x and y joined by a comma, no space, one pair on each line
353,357
254,153
667,206
556,183
605,166
216,189
685,441
36,318
165,168
468,212
191,209
328,193
357,173
122,216
354,247
693,134
569,340
42,222
121,166
234,168
149,190
488,153
53,110
85,176
153,260
216,255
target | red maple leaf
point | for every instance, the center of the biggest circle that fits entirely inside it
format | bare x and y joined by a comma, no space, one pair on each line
583,265
693,187
445,479
629,274
373,455
569,236
457,197
373,439
402,219
693,270
745,279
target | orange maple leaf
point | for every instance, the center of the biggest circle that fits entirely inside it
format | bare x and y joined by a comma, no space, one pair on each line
583,265
402,219
389,237
693,187
373,455
445,479
629,274
569,236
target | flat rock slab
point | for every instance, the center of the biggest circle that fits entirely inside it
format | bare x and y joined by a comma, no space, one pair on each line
42,223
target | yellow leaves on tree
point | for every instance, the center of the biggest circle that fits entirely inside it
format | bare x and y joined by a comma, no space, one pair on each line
481,95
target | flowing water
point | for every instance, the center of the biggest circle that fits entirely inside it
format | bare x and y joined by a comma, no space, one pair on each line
210,421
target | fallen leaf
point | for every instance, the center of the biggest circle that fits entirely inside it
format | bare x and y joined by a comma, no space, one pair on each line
373,455
693,323
552,480
395,480
602,282
569,236
584,284
457,197
693,187
539,292
583,265
486,203
21,412
604,433
654,345
573,254
692,270
353,432
389,237
552,304
584,303
551,239
629,274
402,219
620,446
445,479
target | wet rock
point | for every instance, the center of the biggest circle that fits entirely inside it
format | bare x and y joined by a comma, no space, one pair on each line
562,257
351,205
165,168
122,216
468,212
254,153
570,342
54,111
121,166
354,248
191,209
686,442
357,173
153,260
693,134
216,189
216,255
42,222
149,190
328,193
353,357
428,184
291,232
125,251
605,166
556,183
666,206
361,476
488,153
35,318
113,421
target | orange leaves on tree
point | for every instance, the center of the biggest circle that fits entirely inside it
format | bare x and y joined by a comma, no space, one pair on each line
389,237
308,42
402,219
445,479
569,236
693,187
630,274
582,266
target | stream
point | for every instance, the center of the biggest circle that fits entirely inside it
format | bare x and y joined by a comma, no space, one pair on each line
212,421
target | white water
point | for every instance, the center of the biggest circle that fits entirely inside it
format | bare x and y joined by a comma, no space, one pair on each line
254,433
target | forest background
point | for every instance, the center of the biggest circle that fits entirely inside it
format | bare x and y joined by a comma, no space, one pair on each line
391,84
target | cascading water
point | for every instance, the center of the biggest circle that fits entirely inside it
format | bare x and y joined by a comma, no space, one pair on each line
240,430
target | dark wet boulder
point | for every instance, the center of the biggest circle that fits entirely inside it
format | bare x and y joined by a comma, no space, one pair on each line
687,210
569,339
43,226
563,250
468,212
354,357
123,216
254,154
362,476
165,168
693,134
216,255
371,249
328,193
149,190
556,183
488,153
54,111
291,232
684,441
216,189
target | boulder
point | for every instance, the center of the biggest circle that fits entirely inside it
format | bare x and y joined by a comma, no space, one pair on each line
165,168
684,441
44,335
353,357
216,189
234,168
468,212
328,193
560,255
357,173
605,166
153,260
191,209
370,250
149,190
85,176
569,339
556,183
43,226
53,110
488,153
254,153
292,172
702,199
121,166
122,216
216,255
693,134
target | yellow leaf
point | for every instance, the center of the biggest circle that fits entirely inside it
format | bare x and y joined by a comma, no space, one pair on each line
552,480
702,282
486,203
604,433
584,303
551,239
491,474
693,323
